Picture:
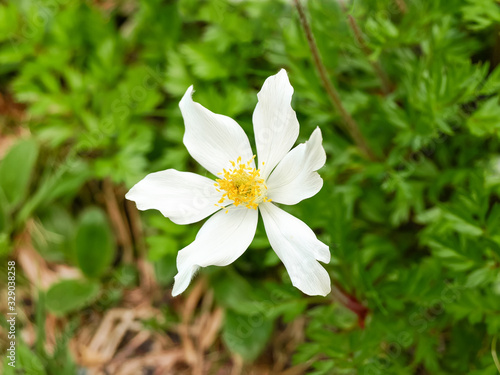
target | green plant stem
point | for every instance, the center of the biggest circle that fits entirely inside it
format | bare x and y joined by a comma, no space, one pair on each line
350,125
384,79
494,353
350,302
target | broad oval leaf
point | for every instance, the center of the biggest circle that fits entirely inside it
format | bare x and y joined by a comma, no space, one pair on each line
70,295
246,335
16,170
94,243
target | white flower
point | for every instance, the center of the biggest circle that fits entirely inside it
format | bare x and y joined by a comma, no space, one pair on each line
284,176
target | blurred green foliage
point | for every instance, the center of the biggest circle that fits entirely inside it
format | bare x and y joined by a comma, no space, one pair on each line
414,235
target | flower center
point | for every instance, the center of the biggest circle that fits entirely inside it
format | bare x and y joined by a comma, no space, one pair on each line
242,184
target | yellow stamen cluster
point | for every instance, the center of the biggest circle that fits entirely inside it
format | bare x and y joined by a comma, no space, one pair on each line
242,184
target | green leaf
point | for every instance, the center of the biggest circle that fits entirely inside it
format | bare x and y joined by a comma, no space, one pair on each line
481,14
94,243
8,20
16,170
426,352
462,224
159,246
246,335
165,269
26,362
70,295
4,244
480,277
492,84
54,239
235,292
205,63
484,121
493,221
4,222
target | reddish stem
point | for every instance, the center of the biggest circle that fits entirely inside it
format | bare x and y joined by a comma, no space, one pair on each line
352,303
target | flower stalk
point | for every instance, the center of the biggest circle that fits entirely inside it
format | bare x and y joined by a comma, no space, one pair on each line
350,302
384,79
350,124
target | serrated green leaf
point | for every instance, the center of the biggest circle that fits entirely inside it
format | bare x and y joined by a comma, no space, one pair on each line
484,121
480,277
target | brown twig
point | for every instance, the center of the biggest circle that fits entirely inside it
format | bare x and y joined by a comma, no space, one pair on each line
193,356
237,365
384,79
351,126
117,220
136,226
285,343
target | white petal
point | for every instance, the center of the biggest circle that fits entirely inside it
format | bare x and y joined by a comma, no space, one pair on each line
298,248
274,121
183,197
295,178
213,140
220,241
